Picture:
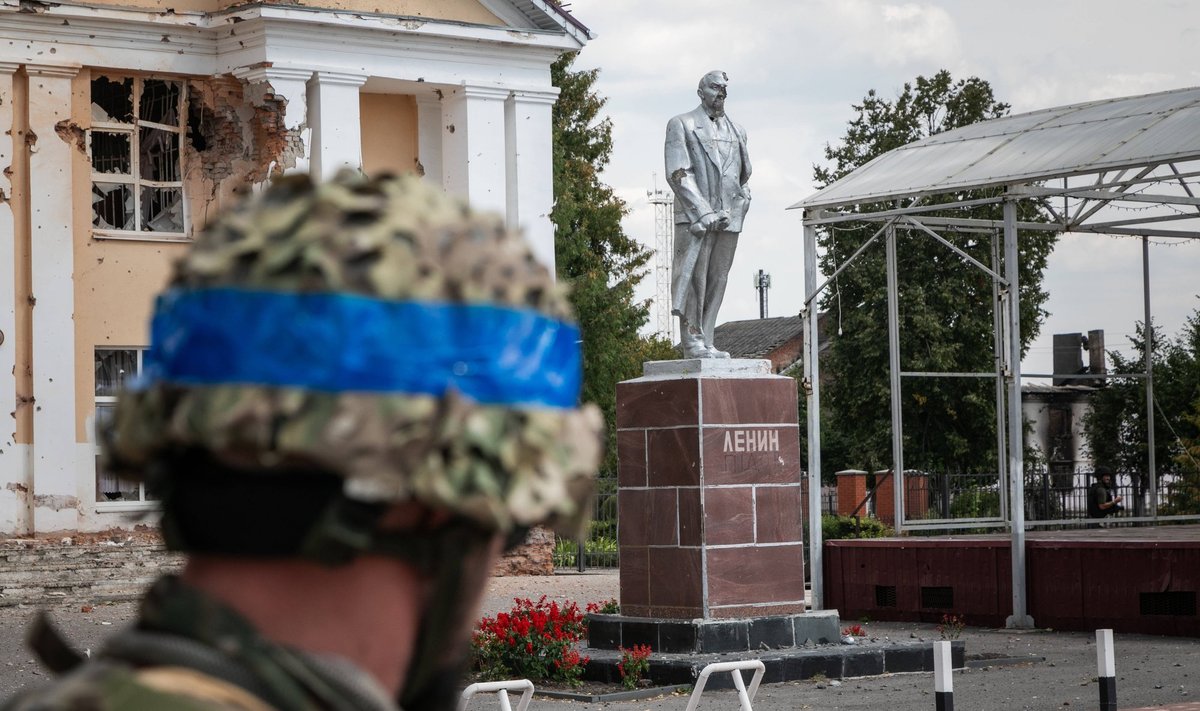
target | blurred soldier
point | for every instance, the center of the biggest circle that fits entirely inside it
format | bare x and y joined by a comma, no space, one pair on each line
356,395
708,168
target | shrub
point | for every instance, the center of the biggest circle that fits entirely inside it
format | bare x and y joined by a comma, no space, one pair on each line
951,627
608,607
836,527
976,502
534,640
602,551
634,664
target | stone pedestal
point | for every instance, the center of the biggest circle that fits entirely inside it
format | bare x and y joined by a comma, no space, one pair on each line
711,522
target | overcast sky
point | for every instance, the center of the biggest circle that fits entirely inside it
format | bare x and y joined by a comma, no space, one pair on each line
796,66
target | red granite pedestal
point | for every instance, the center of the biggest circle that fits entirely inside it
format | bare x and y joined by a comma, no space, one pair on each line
711,522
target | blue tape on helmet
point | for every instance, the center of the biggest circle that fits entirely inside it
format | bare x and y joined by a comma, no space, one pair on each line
495,355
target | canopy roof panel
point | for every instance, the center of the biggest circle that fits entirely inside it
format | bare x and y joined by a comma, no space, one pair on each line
1031,147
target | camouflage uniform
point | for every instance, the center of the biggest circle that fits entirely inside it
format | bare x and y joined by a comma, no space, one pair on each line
481,421
189,652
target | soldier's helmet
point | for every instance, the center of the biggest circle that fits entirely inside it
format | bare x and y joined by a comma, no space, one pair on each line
370,331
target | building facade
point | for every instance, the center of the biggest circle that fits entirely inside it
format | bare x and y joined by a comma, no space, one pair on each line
127,128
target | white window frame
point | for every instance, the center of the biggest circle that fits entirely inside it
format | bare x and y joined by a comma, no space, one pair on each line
134,179
142,503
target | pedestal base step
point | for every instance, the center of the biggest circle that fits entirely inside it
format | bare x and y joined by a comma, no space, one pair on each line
831,661
708,636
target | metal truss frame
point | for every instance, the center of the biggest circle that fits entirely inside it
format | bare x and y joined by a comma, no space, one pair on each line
1082,203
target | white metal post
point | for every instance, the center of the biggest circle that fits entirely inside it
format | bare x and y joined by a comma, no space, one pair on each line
1149,351
893,288
813,379
998,317
943,676
1016,432
1106,670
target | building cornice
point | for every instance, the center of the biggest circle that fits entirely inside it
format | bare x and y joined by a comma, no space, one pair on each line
217,43
536,96
52,70
189,22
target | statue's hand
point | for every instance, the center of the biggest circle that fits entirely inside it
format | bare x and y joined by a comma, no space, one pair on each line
707,224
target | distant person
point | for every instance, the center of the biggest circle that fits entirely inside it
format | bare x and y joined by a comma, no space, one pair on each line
1102,501
708,168
357,394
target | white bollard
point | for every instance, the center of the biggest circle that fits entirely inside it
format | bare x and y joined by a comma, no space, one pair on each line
745,696
1106,670
500,689
943,676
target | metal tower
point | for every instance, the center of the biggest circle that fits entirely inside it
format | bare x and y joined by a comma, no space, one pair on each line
664,237
762,283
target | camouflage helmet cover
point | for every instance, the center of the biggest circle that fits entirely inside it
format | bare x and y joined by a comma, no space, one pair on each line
389,241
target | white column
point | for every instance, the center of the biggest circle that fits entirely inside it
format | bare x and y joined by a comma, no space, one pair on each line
13,500
429,137
530,174
291,85
333,114
56,486
473,146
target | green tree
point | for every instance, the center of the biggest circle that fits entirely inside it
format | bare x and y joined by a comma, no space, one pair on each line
1116,426
1185,496
593,254
946,322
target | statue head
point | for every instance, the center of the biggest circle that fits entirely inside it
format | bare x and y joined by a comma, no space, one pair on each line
712,91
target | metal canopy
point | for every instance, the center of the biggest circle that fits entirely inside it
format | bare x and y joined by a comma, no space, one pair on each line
1032,147
1126,166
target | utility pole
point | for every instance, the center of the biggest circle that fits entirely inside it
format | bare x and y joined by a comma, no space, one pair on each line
664,238
762,283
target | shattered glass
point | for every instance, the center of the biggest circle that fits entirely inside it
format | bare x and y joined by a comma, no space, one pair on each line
111,152
160,102
112,206
162,209
112,367
159,159
112,101
154,105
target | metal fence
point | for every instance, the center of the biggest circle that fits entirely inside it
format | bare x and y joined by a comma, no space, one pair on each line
599,548
1051,498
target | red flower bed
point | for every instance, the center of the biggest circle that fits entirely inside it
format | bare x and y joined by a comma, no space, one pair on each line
534,640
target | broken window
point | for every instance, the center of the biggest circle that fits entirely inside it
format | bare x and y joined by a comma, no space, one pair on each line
158,155
162,209
112,100
159,102
112,206
136,154
114,366
111,153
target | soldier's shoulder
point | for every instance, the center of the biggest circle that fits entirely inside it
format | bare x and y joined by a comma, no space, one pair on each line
100,686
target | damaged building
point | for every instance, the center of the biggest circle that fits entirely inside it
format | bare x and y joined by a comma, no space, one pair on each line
127,127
